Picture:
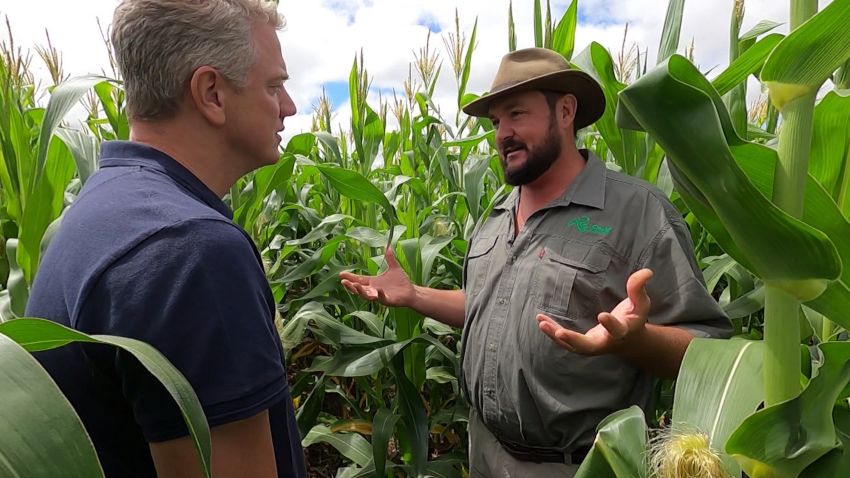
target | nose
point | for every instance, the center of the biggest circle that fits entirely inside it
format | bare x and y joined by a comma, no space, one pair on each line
287,106
503,131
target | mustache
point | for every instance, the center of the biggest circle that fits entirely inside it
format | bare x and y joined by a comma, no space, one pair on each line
511,143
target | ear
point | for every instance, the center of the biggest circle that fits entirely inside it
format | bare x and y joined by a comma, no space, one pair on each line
566,111
207,90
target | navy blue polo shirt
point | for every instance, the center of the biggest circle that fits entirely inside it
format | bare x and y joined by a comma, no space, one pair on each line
148,251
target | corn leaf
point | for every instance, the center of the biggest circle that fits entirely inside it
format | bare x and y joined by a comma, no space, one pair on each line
619,447
672,28
809,54
719,385
39,334
681,110
351,445
748,63
837,461
383,427
784,439
40,433
564,38
829,163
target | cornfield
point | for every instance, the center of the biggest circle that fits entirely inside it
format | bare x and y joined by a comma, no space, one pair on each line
764,192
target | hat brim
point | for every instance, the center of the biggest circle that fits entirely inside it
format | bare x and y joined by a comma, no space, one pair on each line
588,93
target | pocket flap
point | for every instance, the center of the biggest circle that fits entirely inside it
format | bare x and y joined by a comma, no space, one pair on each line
482,246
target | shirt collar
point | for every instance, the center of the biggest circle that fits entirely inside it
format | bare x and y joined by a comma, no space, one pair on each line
129,153
588,188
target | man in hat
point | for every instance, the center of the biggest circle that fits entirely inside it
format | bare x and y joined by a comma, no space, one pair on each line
558,327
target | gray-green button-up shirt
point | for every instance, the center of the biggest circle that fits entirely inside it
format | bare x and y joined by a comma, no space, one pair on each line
570,261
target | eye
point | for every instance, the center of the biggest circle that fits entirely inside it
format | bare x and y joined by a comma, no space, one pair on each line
517,113
495,122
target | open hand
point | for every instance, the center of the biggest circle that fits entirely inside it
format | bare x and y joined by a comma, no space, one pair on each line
615,329
392,288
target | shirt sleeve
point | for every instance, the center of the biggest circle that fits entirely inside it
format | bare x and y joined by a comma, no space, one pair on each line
677,289
196,292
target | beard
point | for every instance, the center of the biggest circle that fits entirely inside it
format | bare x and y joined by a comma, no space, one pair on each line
538,160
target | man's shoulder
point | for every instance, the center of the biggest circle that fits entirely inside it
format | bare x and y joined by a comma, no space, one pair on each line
628,193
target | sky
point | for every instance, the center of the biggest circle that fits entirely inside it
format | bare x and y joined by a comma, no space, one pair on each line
322,38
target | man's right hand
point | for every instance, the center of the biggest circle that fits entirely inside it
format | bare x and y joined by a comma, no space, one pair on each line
391,288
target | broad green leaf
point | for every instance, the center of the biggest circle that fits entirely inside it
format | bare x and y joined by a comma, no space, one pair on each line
301,144
782,440
362,362
829,163
43,204
538,25
308,412
476,166
750,62
62,99
372,237
619,447
747,304
39,334
564,38
84,149
467,66
671,30
836,462
719,385
351,445
107,92
761,28
628,147
696,132
413,416
41,435
808,55
352,184
383,427
331,330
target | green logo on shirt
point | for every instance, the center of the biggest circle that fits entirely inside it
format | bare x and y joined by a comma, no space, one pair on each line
582,224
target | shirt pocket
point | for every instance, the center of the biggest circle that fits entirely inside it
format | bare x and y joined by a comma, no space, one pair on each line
568,289
478,264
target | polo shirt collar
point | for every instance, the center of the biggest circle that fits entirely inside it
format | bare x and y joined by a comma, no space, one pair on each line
588,188
129,153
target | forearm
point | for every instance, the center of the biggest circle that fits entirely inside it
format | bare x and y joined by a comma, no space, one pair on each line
658,349
446,306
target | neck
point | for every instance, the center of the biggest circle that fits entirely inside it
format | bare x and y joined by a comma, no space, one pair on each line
552,184
189,142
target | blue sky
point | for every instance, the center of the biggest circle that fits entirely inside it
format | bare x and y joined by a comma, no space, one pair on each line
323,36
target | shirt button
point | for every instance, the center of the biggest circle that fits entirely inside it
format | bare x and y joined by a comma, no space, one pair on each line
502,301
491,347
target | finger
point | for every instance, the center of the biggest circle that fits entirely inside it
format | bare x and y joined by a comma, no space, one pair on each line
636,290
365,292
348,276
561,336
390,258
615,327
552,333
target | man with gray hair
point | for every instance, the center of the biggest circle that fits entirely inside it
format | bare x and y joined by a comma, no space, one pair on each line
150,251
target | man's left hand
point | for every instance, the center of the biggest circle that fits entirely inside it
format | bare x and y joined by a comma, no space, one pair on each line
616,329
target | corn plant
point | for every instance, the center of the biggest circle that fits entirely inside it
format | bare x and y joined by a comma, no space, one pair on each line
781,222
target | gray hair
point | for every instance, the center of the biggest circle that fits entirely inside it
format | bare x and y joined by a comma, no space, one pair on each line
159,44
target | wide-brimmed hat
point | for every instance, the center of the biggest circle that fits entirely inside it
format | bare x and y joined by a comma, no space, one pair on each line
543,69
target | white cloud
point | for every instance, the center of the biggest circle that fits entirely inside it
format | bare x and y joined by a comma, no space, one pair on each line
323,37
